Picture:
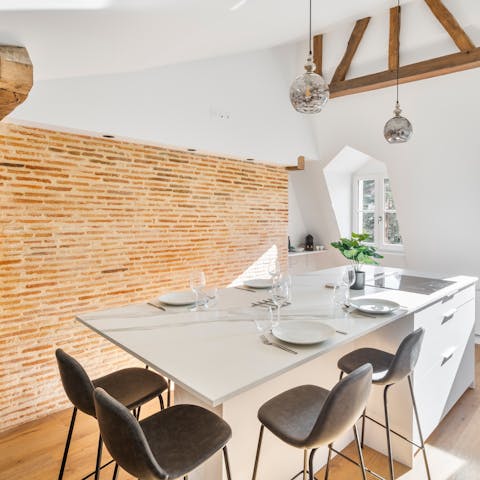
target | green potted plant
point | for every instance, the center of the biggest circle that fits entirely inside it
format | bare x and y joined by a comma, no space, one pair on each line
354,250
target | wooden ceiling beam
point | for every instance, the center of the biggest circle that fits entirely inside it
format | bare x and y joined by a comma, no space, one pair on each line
299,166
353,43
318,52
394,39
16,78
435,67
450,24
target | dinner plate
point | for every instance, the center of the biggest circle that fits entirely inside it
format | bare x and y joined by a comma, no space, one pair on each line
374,305
303,332
258,283
178,299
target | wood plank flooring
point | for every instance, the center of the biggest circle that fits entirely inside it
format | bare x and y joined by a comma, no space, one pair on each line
33,451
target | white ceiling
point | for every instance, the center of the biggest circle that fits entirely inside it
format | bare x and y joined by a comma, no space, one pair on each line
93,37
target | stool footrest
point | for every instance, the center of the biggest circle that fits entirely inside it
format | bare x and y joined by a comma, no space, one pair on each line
395,433
351,460
93,473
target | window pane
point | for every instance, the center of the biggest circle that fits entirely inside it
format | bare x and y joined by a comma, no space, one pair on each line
367,223
392,231
389,204
366,190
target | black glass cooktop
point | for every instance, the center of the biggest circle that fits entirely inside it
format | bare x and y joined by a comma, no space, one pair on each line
408,283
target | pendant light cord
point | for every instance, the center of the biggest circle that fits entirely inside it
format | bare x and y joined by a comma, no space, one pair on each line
398,55
310,30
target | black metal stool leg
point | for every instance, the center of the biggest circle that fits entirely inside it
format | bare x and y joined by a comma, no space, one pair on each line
257,456
99,458
362,442
137,413
305,455
67,443
169,394
387,427
327,468
227,463
115,472
341,374
310,464
360,453
162,405
417,418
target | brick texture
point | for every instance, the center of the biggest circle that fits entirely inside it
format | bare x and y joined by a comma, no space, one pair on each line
89,223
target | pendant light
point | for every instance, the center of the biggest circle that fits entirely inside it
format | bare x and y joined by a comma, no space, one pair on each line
309,92
398,129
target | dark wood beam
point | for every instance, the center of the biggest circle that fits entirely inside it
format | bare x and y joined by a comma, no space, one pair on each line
318,52
353,43
394,40
435,67
451,25
299,166
16,78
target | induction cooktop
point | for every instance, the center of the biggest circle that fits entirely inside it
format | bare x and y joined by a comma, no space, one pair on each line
408,283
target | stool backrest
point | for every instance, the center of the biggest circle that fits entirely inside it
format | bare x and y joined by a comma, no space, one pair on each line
343,407
124,438
405,358
76,382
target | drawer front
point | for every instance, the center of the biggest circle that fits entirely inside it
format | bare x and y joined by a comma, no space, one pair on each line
444,322
433,388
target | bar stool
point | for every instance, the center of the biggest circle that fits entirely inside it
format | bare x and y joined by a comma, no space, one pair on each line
308,417
389,369
133,387
166,445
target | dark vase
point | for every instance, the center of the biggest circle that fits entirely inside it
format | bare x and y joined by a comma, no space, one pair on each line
359,281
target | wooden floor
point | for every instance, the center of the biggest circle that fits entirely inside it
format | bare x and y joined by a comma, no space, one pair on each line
33,451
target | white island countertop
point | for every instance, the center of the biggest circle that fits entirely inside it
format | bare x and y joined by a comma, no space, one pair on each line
218,354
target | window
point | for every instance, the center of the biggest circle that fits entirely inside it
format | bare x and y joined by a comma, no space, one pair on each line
375,213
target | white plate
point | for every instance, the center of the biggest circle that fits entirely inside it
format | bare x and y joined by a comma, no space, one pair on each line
258,283
178,299
303,332
374,305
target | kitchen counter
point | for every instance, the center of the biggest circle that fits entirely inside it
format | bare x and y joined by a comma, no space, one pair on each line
217,360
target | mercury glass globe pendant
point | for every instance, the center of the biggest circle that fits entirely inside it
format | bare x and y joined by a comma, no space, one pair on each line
309,92
398,129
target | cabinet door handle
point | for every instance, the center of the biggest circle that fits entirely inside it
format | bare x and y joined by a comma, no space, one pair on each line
447,298
448,315
448,354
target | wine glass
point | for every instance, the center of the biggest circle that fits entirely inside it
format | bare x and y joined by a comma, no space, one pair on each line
281,290
348,279
274,269
197,284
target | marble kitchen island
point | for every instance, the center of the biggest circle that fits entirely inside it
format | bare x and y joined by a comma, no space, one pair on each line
217,360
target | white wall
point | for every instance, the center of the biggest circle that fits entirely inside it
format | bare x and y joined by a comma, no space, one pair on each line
180,105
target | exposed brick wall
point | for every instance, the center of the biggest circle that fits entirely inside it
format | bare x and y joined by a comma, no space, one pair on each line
89,223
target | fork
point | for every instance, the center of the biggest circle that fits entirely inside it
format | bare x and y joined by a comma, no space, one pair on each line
266,341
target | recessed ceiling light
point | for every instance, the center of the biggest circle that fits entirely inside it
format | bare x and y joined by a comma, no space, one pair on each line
238,5
108,136
250,159
54,4
191,149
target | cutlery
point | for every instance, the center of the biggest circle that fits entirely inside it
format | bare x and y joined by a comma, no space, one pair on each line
157,306
353,311
266,341
341,332
268,303
247,289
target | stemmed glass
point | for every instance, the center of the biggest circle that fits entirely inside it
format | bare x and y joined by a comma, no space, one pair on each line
281,291
197,284
348,279
274,269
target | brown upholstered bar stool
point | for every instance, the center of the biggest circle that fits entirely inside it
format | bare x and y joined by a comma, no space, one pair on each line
133,387
389,369
308,416
166,445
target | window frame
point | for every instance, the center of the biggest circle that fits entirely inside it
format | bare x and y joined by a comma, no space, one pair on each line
379,211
